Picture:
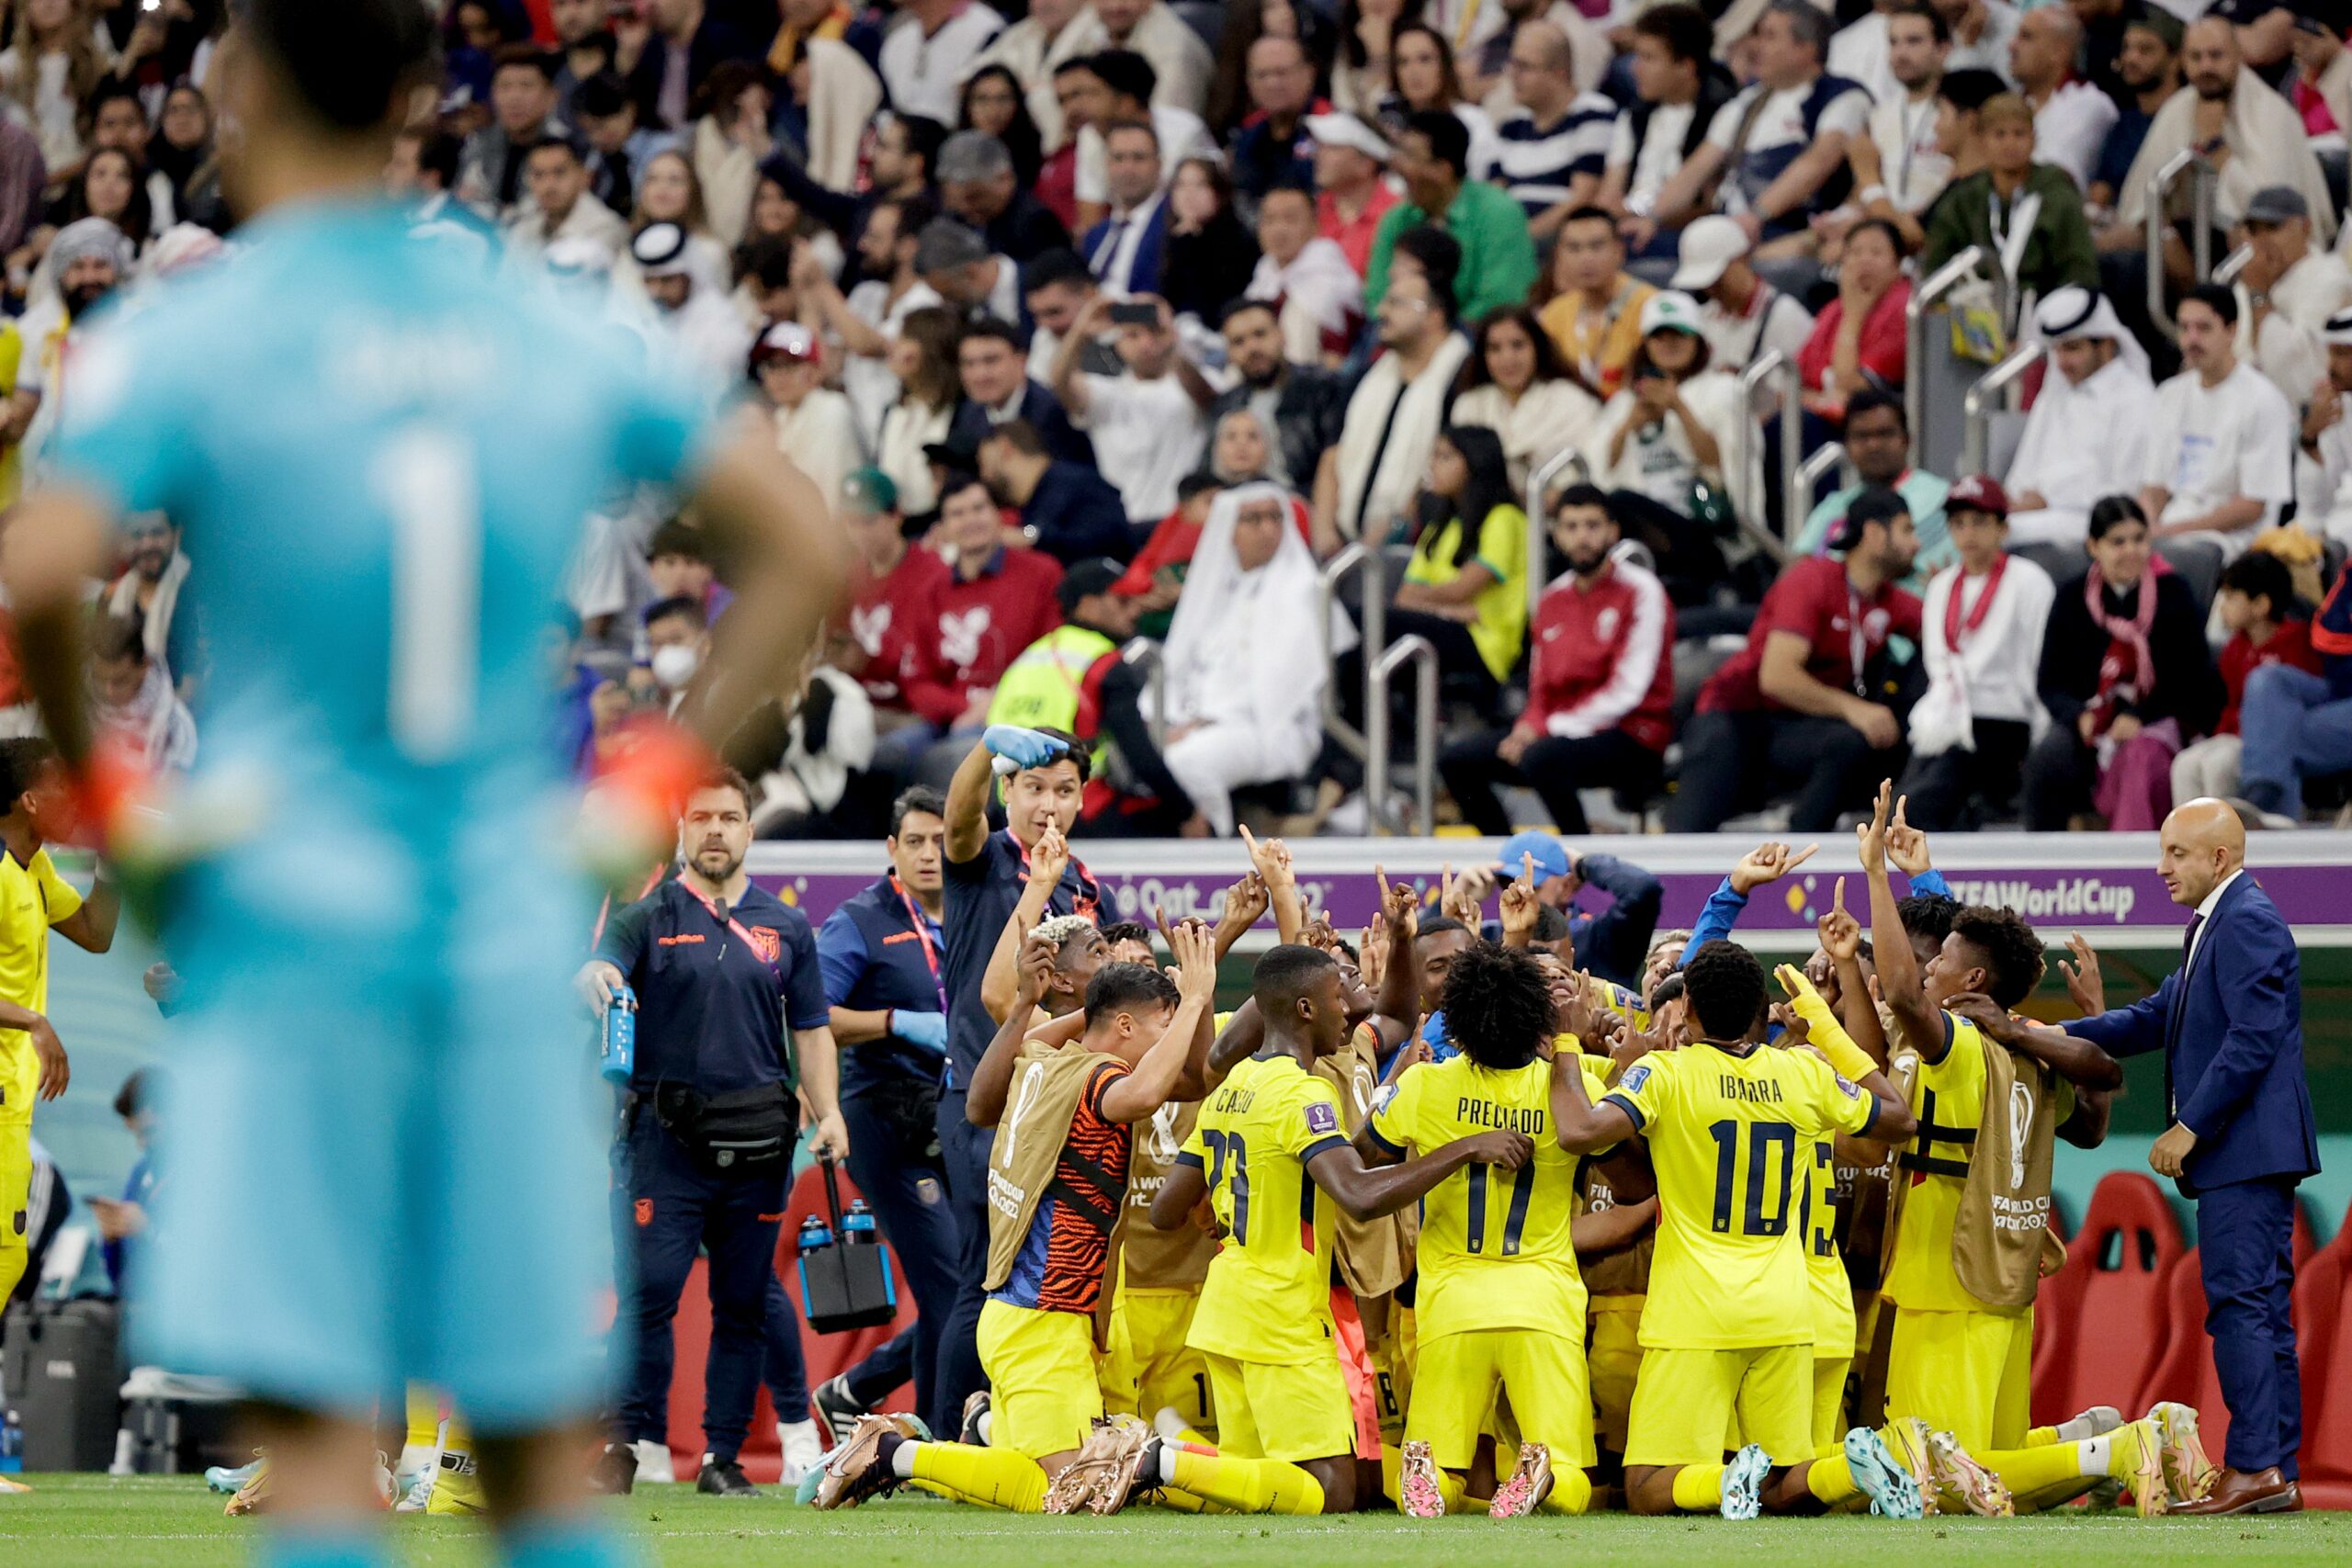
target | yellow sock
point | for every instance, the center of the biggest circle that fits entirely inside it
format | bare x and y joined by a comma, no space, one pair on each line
1829,1478
424,1416
1571,1492
1698,1488
2042,1437
1249,1486
456,1488
987,1478
1196,1439
2023,1471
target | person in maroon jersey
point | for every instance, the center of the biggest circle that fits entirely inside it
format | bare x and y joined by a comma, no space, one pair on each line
1600,690
1806,702
996,600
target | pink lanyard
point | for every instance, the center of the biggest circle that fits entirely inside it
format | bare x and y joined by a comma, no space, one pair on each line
770,953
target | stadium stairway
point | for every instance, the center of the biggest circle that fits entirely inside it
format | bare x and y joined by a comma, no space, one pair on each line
825,1354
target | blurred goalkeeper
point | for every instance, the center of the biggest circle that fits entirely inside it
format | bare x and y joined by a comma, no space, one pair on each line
381,1059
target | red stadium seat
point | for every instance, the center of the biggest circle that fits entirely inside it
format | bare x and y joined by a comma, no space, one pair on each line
825,1354
2130,1242
2323,1338
2057,1310
2184,1370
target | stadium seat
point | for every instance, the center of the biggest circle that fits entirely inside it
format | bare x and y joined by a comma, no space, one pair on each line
2323,1339
2129,1243
2199,561
824,1354
2184,1370
2062,562
2056,1308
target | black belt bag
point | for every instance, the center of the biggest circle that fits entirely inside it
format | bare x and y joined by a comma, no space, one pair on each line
749,1132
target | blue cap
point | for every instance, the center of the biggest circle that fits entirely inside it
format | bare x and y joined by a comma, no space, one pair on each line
1551,856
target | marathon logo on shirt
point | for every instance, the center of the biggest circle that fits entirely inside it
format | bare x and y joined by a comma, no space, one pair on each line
1766,1091
1322,1119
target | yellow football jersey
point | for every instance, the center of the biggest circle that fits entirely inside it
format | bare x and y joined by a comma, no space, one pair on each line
33,897
1268,1296
1616,999
1724,1134
1495,1247
1949,1099
1833,1293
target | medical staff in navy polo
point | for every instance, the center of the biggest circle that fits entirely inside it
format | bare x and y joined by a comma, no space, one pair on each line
885,976
721,969
1044,777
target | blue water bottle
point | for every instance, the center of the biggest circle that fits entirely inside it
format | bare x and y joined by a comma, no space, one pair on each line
12,1443
857,1225
815,1235
618,1061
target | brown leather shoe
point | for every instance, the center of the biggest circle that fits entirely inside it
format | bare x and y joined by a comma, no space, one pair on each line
2263,1492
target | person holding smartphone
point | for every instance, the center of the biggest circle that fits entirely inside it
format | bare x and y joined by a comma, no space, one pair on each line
1150,423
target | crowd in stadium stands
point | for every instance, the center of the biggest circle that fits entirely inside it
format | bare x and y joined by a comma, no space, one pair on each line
1057,306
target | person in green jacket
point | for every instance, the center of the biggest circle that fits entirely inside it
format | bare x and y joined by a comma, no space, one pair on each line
1498,256
2028,214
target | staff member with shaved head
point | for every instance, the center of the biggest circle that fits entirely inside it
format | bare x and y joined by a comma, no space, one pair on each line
2230,1024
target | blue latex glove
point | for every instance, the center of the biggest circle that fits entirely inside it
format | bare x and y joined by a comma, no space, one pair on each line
928,1030
1021,748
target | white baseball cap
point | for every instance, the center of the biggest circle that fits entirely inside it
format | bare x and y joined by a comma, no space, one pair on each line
1668,311
1710,245
1347,131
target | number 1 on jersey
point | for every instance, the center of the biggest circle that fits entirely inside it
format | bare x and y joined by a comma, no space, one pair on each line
425,481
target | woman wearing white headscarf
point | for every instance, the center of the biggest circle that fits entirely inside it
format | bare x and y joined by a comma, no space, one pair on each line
2088,435
1245,658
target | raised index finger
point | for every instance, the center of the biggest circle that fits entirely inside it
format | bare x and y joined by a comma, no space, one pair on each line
1802,856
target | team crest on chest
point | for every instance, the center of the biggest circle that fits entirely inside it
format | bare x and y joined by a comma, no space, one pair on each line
768,944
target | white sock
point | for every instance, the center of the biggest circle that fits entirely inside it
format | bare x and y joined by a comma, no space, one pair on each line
2076,1429
2092,1454
1168,1451
902,1459
984,1424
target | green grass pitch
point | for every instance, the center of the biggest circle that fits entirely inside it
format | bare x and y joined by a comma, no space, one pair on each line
95,1522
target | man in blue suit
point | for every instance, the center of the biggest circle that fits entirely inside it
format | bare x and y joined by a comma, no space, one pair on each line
2230,1024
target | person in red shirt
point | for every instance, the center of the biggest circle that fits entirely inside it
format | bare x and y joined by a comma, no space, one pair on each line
889,583
1806,701
1352,197
1600,688
1861,337
995,601
2267,625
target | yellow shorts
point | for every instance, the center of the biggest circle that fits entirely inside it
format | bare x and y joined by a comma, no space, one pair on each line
1969,1373
1686,1400
1040,1367
1543,1375
1149,1367
1292,1413
1613,1363
1828,1405
16,1192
